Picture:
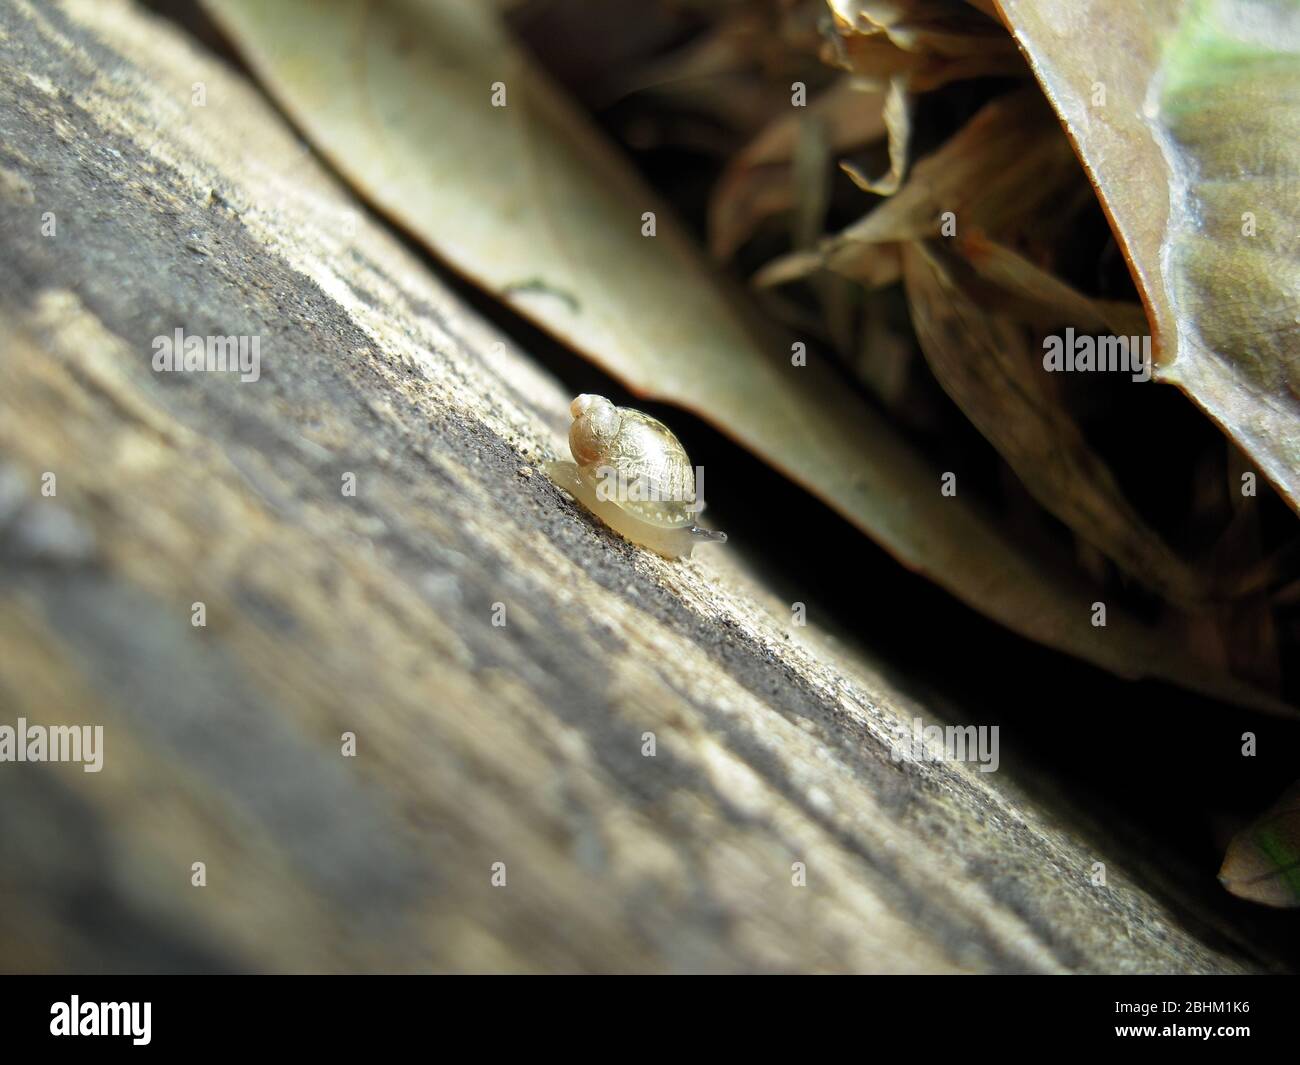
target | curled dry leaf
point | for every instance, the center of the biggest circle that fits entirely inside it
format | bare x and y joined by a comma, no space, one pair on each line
530,202
760,181
992,176
983,361
1187,118
925,43
1033,295
898,121
1263,861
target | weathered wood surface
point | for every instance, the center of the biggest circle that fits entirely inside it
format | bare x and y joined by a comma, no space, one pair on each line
372,614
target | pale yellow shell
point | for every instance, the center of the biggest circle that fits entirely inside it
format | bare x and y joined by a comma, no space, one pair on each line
632,473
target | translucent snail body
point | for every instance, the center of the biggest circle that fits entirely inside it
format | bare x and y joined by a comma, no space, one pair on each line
632,473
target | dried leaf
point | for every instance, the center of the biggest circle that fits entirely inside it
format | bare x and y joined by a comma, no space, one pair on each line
898,121
811,172
1187,118
1247,627
759,182
1032,294
851,111
925,43
993,176
743,200
1263,860
739,70
983,362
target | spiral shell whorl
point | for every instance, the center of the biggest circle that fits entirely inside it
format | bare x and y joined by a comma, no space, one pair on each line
596,424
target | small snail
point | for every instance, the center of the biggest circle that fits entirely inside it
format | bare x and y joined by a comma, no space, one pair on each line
633,474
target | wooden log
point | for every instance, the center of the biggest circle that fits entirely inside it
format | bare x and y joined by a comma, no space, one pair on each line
364,534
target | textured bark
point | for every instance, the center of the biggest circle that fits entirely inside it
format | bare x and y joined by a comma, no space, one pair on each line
373,613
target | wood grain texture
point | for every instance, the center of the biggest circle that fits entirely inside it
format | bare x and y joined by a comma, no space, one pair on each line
329,613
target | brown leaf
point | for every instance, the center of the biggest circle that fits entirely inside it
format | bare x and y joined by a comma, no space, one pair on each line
1263,861
1187,118
993,176
727,71
1032,294
898,121
760,181
984,363
925,43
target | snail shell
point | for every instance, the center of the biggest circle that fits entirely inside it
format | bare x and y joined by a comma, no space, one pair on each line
632,473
